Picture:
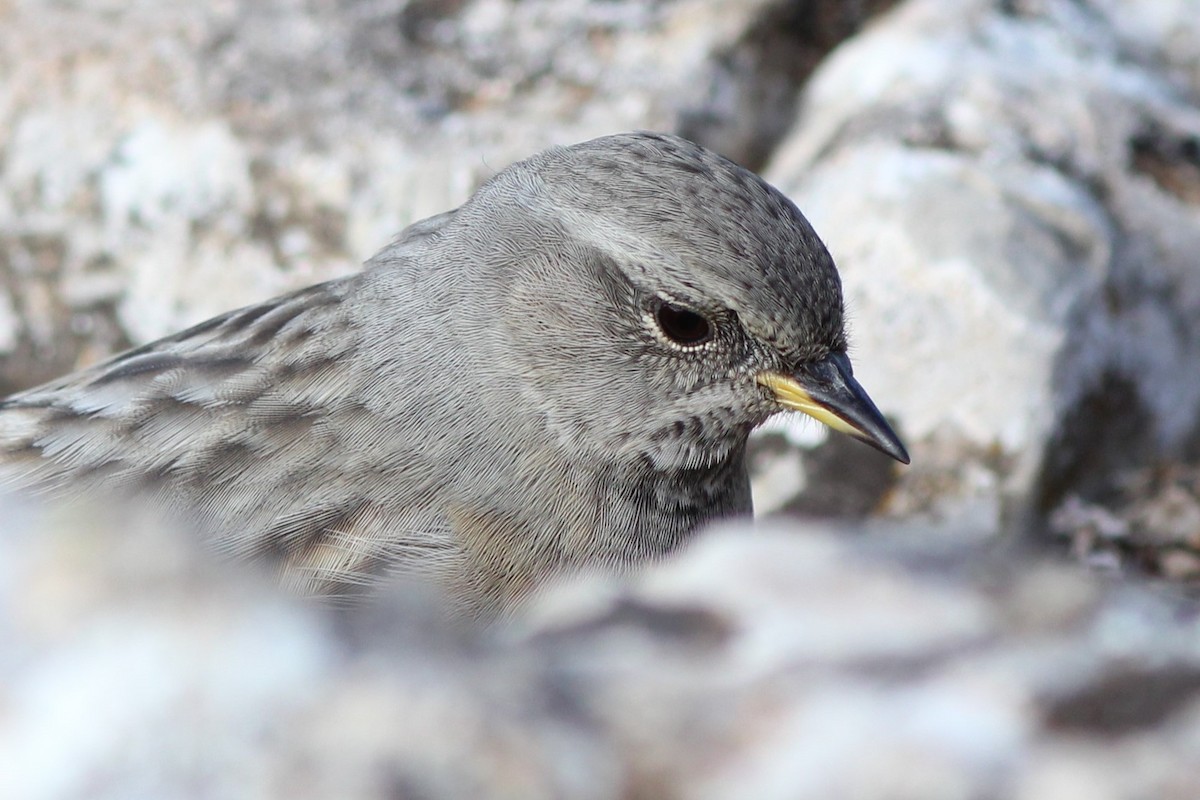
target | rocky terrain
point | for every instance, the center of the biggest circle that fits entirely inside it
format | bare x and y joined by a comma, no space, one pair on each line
1011,189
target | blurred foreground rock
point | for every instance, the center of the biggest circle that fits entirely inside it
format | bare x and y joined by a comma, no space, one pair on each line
804,662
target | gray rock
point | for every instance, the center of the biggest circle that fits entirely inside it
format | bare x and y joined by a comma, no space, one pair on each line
790,662
1008,190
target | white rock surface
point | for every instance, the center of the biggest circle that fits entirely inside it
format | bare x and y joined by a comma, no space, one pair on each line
990,179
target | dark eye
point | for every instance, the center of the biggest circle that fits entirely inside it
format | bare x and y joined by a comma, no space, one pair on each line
681,326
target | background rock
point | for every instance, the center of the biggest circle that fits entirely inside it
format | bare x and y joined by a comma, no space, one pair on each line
1016,243
164,164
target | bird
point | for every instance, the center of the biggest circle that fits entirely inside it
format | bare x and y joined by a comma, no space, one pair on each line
559,375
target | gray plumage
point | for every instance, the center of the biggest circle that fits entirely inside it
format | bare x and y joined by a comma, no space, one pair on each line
492,400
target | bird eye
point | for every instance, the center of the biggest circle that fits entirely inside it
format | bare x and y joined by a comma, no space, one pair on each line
681,326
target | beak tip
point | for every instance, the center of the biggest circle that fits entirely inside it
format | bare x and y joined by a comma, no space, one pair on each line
890,446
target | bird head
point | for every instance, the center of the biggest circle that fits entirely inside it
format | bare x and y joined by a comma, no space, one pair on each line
665,300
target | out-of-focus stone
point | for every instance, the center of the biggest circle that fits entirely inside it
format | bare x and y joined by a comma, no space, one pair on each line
133,664
790,662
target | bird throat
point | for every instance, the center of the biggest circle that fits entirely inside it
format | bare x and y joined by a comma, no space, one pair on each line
672,503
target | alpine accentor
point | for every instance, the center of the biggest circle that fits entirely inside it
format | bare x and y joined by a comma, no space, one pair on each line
561,373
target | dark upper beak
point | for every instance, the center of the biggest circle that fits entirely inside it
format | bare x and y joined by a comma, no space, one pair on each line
826,391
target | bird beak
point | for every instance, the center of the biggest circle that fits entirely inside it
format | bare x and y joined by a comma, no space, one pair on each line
827,392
